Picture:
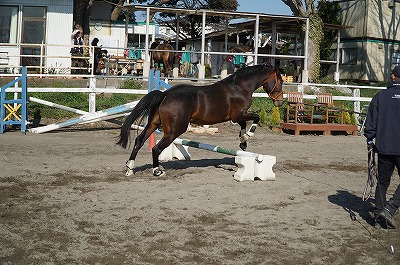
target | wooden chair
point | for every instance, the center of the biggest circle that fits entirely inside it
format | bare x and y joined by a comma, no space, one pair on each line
296,110
331,111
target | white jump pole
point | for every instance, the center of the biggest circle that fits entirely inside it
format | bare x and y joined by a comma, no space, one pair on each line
87,117
251,166
55,105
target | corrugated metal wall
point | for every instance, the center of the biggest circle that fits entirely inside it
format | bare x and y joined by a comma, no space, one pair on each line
59,28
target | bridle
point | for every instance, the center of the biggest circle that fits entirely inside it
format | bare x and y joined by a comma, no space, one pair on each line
272,90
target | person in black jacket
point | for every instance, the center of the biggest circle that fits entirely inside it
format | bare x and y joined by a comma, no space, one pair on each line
77,62
383,125
96,54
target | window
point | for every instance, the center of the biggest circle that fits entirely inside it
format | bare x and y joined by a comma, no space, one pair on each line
349,56
395,58
8,24
34,11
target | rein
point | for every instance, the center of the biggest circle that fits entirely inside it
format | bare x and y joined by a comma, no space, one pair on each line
372,175
269,93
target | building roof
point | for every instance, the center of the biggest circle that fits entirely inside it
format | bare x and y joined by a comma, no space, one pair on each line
283,23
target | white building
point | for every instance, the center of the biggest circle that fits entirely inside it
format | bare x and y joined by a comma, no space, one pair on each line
27,25
37,33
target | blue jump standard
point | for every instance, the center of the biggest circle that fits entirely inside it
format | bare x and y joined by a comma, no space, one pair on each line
22,101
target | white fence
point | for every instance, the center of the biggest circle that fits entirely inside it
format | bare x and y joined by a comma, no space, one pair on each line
92,90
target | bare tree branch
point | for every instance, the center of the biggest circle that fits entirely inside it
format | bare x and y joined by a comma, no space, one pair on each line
159,2
117,10
296,6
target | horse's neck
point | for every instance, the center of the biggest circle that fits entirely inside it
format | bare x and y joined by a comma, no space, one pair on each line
251,85
247,86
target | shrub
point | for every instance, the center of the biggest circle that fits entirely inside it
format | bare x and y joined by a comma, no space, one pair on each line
263,117
275,120
130,84
346,117
353,120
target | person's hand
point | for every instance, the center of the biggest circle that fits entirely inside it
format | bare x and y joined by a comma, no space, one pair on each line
370,145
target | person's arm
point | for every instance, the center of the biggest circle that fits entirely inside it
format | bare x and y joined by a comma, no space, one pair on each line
371,120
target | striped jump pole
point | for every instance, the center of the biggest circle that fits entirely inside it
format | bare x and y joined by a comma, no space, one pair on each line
251,166
99,115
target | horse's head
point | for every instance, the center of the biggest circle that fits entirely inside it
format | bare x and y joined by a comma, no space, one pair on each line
273,86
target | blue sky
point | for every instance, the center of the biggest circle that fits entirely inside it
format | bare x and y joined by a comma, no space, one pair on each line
275,7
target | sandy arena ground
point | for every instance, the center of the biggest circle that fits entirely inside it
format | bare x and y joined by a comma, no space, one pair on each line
64,199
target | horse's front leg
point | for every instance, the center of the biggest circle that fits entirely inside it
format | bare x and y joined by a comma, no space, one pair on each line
245,135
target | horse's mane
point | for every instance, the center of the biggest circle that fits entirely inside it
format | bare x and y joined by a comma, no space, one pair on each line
246,71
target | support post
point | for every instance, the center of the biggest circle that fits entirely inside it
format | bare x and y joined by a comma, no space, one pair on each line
304,75
146,64
337,75
92,95
201,66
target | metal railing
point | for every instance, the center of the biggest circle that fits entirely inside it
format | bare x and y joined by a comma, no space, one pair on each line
44,60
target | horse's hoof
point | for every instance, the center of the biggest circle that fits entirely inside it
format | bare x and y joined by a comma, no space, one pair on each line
243,146
130,164
157,172
128,172
244,138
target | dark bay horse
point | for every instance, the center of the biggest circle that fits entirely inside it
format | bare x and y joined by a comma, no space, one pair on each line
163,53
225,100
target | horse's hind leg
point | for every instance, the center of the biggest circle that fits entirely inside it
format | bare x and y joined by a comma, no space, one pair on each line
156,151
139,142
130,164
171,131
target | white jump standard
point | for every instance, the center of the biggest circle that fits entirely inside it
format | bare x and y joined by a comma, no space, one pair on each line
251,166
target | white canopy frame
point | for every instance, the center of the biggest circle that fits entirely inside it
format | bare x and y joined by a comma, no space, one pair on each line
276,24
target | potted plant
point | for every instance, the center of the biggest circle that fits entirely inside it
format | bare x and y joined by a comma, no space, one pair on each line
263,117
275,120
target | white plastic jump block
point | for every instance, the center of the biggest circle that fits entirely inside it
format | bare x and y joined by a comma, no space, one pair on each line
176,151
255,168
251,166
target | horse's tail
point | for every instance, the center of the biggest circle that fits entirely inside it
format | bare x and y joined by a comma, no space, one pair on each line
143,107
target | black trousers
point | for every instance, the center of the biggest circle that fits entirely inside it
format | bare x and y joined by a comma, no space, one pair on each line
386,166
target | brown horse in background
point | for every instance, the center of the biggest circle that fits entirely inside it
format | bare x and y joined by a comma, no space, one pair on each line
162,54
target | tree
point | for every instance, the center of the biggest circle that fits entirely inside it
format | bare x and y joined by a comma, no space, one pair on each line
329,13
82,14
306,8
192,24
81,17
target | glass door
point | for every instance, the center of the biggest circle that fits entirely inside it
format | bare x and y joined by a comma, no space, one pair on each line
33,35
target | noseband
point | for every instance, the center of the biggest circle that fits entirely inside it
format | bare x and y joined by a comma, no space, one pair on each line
269,93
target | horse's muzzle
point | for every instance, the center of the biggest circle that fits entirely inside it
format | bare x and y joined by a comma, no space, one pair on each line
278,102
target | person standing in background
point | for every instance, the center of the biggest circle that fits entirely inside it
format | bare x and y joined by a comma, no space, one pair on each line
76,52
96,54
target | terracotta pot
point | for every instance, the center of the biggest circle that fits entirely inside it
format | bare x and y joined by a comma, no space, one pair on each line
276,129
